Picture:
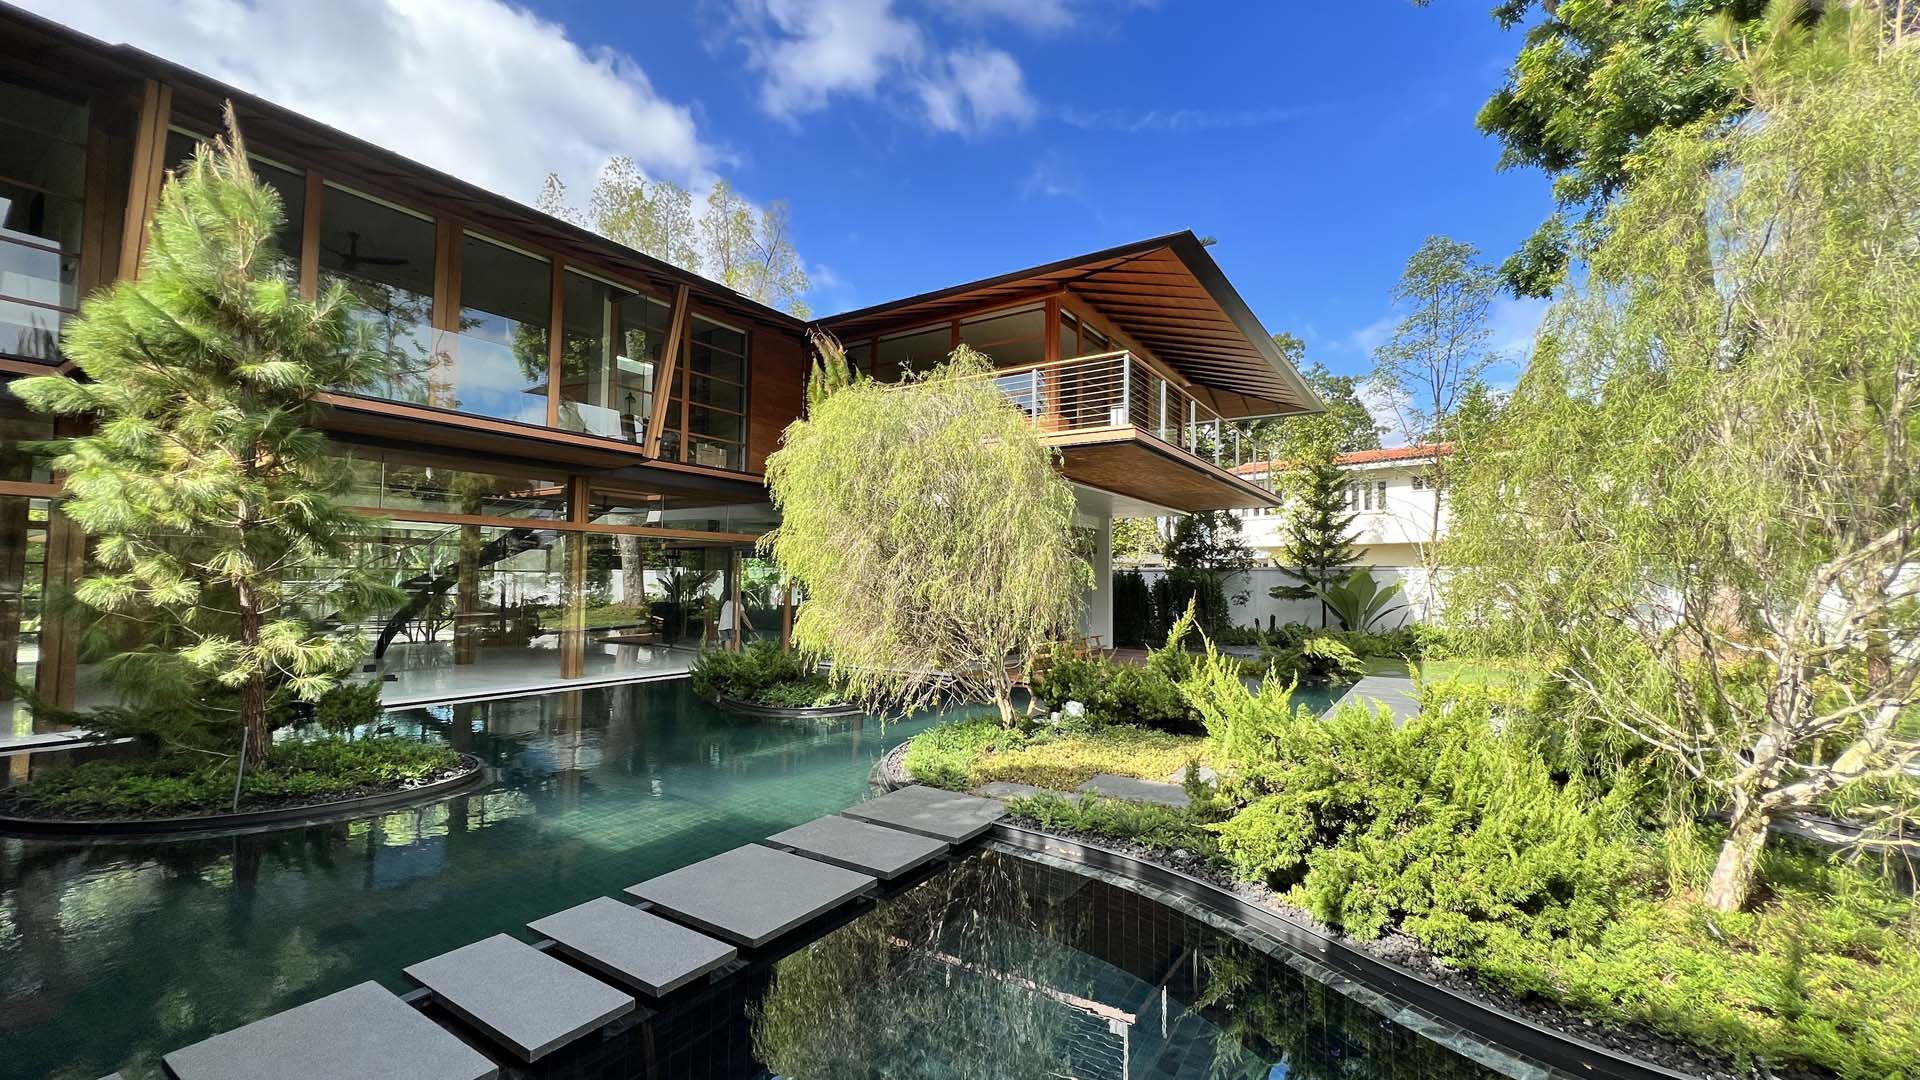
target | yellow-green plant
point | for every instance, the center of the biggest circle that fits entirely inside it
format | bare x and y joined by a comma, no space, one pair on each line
930,533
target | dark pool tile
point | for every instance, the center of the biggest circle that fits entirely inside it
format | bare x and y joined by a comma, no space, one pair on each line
360,1033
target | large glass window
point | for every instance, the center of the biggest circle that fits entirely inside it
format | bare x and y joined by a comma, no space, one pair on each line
23,558
43,164
915,350
290,183
1010,337
611,346
496,364
397,484
19,431
385,257
711,396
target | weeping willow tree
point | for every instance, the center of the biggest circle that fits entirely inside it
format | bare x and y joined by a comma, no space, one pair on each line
929,530
1705,497
212,501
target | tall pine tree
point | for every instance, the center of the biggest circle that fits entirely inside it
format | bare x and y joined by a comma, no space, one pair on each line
211,498
1317,551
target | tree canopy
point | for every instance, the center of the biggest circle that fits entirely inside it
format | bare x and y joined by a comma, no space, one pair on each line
747,248
929,530
211,497
1704,495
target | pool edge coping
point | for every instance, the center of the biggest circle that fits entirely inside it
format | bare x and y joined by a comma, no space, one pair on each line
473,775
1519,1035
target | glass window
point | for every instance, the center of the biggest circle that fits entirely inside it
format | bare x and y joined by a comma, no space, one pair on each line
23,561
1092,342
915,350
496,363
385,258
712,396
860,358
395,484
1010,337
1069,336
43,161
611,345
291,184
18,429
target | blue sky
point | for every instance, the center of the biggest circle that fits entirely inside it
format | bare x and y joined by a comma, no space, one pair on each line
925,142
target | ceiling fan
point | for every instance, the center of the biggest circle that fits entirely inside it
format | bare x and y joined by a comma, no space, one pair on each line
351,258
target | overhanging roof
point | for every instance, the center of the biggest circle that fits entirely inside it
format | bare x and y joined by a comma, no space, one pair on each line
1166,292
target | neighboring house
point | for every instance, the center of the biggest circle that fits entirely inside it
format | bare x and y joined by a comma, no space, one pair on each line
568,448
1391,493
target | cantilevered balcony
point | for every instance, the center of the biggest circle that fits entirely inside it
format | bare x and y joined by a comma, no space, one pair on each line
1124,428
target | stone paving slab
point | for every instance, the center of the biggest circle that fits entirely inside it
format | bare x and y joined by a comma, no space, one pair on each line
526,1000
752,894
870,849
1008,789
943,815
361,1033
1396,692
634,948
1133,789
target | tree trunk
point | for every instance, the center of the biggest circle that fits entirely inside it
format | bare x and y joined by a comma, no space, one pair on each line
253,692
1733,874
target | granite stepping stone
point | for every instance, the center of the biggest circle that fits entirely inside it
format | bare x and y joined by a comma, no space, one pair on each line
1133,789
522,998
943,815
752,894
856,845
636,949
360,1033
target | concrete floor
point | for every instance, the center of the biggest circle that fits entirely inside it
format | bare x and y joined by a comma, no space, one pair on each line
425,673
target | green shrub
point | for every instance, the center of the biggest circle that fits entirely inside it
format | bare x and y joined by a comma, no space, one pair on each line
1116,693
1162,827
763,674
945,755
1132,609
188,782
1316,660
349,705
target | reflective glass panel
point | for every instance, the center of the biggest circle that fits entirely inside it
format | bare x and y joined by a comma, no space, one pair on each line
385,258
43,160
496,364
611,345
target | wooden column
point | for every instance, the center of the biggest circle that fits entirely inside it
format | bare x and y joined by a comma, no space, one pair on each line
573,623
149,169
310,237
739,609
13,586
557,312
786,619
442,378
1050,381
663,378
54,680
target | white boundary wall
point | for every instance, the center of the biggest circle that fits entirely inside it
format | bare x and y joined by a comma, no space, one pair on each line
1259,606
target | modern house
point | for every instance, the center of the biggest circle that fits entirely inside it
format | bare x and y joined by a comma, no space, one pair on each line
566,453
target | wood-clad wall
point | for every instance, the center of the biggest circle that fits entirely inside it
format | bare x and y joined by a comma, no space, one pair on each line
778,390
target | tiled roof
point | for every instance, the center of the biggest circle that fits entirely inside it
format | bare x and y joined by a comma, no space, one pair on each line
1423,452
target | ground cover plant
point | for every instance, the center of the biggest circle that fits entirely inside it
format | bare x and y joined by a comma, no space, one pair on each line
965,753
763,674
185,783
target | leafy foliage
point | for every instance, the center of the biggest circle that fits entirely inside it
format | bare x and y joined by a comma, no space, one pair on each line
1317,660
1162,827
190,782
1065,760
1359,601
931,534
347,707
764,674
1744,349
208,492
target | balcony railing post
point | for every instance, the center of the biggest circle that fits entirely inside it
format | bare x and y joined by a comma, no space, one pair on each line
1163,408
1126,386
1033,391
1193,431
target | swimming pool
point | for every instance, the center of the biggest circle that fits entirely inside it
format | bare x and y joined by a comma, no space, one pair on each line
112,954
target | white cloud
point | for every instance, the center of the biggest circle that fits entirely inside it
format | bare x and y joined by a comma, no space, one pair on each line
809,52
1515,321
1036,16
1135,121
976,88
476,88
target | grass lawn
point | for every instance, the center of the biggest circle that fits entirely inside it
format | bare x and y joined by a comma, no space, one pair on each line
968,753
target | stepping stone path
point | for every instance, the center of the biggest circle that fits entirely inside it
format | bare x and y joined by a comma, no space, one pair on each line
530,1003
1133,789
634,948
360,1033
1007,789
856,845
752,894
943,815
522,998
1394,691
